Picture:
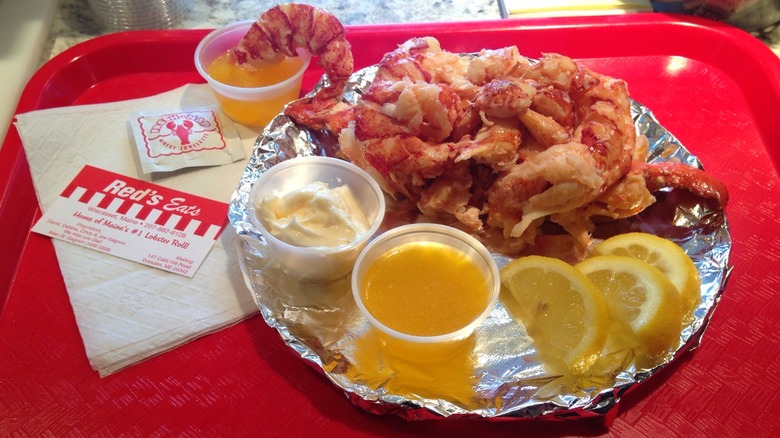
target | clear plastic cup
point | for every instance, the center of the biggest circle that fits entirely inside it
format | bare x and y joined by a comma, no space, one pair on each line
425,232
317,263
248,106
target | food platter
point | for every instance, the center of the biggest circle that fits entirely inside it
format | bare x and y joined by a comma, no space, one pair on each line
717,93
500,365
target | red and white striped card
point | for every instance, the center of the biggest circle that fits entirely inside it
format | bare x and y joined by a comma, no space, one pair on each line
136,220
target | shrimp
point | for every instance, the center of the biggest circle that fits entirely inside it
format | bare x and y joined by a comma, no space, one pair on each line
285,28
544,129
555,103
329,116
505,98
626,198
449,196
567,174
605,123
496,142
400,163
428,111
496,145
497,64
558,179
681,176
415,92
404,122
554,70
634,192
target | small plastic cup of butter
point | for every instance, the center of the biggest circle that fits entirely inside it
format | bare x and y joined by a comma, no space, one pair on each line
249,105
316,215
446,288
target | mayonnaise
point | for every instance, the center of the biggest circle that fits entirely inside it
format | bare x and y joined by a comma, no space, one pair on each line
314,215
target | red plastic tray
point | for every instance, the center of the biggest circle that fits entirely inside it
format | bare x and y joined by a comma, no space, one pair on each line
715,87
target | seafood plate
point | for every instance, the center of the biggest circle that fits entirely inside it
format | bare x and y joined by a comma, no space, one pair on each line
499,374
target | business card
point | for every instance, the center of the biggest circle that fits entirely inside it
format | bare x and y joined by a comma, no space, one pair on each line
135,220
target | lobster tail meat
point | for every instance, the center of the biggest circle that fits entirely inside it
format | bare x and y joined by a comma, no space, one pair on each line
283,29
681,176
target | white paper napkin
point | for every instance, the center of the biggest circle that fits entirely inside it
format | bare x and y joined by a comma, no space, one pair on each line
125,311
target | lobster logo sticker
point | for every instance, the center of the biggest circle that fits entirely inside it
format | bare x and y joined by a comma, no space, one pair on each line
181,133
192,137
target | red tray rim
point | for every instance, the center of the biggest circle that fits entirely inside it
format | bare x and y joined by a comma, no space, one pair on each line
14,172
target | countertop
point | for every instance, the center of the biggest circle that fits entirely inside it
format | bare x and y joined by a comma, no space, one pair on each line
75,22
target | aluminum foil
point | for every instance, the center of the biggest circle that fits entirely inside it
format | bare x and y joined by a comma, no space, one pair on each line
497,371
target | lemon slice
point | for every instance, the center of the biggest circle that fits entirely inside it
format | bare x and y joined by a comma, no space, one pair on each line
663,254
641,296
562,311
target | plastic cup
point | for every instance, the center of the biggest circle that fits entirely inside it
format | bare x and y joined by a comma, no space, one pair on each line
317,263
459,240
248,106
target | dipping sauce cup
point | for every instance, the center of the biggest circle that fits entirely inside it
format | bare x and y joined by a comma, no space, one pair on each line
291,177
250,106
425,284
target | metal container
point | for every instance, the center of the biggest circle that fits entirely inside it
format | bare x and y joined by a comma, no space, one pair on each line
119,15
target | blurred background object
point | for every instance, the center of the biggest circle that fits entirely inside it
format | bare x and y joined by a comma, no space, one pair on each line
118,15
750,15
24,28
759,17
754,15
560,8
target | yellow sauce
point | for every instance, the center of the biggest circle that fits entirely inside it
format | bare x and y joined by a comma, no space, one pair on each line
424,370
314,215
249,112
228,72
425,289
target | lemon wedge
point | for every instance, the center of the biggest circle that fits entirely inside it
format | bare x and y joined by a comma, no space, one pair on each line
562,311
641,296
664,255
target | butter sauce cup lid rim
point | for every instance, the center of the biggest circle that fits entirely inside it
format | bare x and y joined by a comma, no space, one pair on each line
358,241
429,228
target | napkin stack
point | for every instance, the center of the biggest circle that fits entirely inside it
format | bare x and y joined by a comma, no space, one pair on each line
125,311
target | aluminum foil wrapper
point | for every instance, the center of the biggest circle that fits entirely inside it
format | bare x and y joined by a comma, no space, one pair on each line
497,371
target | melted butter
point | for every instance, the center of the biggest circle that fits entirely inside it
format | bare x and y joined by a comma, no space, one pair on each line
226,71
425,289
426,371
255,110
314,215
